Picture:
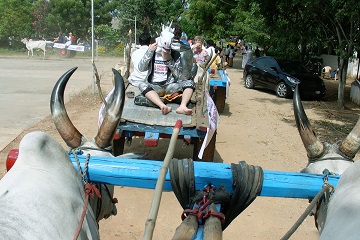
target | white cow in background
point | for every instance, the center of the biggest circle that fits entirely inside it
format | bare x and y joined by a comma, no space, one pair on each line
340,217
31,45
42,196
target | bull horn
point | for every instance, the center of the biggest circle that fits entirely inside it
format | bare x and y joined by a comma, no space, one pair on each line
65,127
113,112
312,144
351,144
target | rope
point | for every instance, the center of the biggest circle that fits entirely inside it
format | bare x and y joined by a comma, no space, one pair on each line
182,180
247,181
90,190
326,187
82,173
247,184
77,160
86,165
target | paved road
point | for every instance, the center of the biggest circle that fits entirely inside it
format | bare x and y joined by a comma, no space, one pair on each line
26,85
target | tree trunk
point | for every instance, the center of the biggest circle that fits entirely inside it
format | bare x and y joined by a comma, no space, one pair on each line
302,51
342,81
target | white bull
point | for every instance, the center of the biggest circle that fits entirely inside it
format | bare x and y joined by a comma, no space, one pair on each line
340,219
31,45
42,196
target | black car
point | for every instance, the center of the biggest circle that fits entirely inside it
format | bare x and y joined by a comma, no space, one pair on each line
282,75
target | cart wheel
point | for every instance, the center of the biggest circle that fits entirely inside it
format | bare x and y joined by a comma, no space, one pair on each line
118,146
219,99
67,53
63,52
72,54
209,151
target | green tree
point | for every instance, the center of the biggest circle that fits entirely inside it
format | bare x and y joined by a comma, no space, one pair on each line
39,25
210,18
107,34
150,14
294,26
250,24
42,18
15,20
340,22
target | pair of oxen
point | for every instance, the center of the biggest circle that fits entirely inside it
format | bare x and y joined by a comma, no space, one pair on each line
42,196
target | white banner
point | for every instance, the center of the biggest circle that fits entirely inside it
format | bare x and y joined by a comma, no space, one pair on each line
214,119
78,48
228,82
59,45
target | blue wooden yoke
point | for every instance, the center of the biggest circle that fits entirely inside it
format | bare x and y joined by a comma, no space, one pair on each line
144,174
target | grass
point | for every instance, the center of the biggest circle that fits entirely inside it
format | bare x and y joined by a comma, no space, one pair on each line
5,51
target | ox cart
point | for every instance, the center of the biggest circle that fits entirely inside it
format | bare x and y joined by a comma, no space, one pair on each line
197,185
149,123
213,193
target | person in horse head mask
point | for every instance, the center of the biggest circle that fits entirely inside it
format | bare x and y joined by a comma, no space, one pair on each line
178,85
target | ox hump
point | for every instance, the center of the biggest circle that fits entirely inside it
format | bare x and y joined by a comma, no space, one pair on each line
39,149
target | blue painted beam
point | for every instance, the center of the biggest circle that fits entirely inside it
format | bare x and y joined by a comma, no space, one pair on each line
144,174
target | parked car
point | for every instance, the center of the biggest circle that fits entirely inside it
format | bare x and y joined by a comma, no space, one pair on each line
282,76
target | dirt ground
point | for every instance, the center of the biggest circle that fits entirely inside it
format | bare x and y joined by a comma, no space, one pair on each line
256,127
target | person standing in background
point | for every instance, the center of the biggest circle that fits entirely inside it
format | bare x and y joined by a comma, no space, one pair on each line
200,54
247,56
231,56
227,53
137,76
257,52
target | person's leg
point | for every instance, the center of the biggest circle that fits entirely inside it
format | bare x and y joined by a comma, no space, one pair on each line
154,98
183,109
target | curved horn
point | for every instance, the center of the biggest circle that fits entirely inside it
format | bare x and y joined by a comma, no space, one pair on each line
313,146
66,129
113,112
351,144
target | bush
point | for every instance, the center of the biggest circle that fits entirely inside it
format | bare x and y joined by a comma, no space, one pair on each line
119,48
100,49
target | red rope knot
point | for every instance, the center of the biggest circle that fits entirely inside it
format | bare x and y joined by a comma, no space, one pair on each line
188,212
90,190
219,215
198,211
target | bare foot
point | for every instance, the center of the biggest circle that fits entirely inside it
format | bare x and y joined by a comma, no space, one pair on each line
184,110
165,109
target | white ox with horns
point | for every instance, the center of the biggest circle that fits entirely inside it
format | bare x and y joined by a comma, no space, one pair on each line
42,196
340,219
31,45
